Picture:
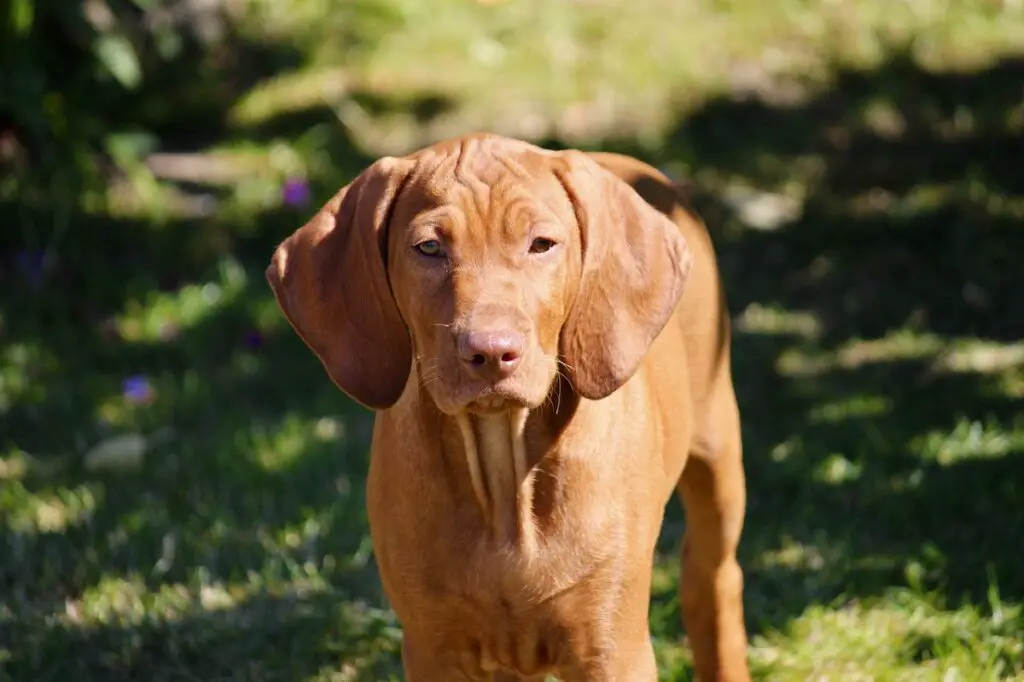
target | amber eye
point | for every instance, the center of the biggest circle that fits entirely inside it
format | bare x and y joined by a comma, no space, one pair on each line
430,248
541,245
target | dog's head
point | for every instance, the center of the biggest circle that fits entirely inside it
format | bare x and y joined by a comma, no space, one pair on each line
490,265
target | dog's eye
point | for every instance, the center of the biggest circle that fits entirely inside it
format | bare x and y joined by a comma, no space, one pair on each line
431,248
541,245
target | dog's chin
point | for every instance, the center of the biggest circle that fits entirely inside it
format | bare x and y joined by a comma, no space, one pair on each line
495,403
493,400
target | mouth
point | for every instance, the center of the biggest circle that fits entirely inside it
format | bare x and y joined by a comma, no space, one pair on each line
522,391
493,403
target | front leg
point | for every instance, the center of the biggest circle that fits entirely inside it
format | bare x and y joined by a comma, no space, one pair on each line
631,661
626,654
425,660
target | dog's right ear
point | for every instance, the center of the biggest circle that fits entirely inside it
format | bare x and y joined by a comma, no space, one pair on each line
635,265
330,280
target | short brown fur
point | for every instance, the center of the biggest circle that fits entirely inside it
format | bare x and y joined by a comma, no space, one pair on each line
514,511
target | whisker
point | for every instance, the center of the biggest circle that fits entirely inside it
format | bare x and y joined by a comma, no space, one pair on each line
549,402
558,403
430,370
427,380
565,364
428,363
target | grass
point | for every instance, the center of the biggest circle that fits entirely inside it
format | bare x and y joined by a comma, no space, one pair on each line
181,488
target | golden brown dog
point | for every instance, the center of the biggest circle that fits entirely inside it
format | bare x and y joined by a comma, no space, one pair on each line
545,340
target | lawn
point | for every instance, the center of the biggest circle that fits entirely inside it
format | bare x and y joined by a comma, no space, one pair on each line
181,486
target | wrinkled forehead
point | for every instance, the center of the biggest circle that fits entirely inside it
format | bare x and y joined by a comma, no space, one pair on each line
486,183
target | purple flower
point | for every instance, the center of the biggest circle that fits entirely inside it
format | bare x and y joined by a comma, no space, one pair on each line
295,192
137,390
253,339
33,264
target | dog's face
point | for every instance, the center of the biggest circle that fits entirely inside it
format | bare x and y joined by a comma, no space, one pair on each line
482,267
484,262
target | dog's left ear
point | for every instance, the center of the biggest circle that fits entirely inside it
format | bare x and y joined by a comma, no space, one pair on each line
635,264
330,280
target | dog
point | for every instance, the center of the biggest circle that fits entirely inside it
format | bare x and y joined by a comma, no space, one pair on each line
544,339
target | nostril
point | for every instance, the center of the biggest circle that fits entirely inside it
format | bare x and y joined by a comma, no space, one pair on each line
489,352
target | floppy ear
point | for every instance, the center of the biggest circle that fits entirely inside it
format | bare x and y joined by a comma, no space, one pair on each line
330,280
635,263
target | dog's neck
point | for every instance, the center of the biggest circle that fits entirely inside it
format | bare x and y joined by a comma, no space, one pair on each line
498,457
495,450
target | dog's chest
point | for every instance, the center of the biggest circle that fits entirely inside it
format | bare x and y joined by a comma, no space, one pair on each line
529,617
523,592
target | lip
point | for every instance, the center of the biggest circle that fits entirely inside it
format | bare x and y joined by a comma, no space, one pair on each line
494,400
493,404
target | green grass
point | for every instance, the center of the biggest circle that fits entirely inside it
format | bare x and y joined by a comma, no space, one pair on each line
210,524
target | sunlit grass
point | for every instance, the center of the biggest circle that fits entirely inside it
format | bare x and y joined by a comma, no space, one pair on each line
282,445
969,439
49,511
907,636
900,345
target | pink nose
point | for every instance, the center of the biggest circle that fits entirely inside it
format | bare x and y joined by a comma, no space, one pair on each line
491,354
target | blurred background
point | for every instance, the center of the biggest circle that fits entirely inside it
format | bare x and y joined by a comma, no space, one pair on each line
181,486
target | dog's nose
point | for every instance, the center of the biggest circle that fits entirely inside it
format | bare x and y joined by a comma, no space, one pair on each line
492,354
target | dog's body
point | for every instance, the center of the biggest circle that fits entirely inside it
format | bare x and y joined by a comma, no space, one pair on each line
544,410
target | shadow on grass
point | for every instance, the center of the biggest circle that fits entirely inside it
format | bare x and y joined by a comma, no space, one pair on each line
910,222
868,455
255,488
292,636
259,488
